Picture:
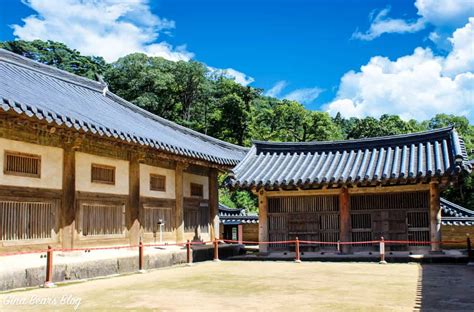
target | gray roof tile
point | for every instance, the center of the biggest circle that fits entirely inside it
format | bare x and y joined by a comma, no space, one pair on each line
391,159
43,92
453,214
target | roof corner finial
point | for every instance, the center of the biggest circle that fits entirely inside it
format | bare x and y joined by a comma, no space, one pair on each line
102,81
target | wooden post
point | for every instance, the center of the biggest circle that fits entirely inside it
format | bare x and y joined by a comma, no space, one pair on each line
262,221
188,253
134,200
216,250
297,251
344,220
213,204
179,210
68,200
435,217
240,233
49,269
140,256
382,251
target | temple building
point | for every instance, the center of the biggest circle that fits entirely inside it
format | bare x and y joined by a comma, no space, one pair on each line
354,190
238,225
82,166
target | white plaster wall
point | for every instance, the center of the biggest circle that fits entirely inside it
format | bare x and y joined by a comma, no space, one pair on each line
145,171
194,178
83,174
51,165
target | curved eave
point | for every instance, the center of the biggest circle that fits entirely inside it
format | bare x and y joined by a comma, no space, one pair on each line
12,107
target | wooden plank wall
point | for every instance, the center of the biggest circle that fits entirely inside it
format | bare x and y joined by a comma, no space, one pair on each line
306,217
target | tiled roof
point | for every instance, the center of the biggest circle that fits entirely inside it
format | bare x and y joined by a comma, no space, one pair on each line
234,216
46,93
452,214
407,158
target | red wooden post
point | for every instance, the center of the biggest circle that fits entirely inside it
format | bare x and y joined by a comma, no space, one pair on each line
140,255
297,256
216,250
49,268
188,252
382,251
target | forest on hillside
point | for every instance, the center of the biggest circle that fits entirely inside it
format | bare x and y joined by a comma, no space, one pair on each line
191,94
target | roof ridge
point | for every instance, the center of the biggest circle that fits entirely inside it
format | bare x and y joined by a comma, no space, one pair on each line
314,146
50,70
371,139
456,206
173,124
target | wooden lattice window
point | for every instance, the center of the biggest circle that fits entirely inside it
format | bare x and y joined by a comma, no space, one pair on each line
197,190
21,164
151,216
157,182
102,218
22,220
102,174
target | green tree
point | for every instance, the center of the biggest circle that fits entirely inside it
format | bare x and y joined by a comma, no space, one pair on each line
461,123
59,55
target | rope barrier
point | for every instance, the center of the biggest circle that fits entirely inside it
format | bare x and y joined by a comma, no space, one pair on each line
382,243
230,241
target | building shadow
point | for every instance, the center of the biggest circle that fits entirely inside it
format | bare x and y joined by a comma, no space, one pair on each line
445,287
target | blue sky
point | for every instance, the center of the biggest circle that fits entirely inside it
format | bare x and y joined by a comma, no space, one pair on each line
312,50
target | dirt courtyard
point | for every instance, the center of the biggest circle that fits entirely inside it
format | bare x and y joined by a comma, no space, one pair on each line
264,286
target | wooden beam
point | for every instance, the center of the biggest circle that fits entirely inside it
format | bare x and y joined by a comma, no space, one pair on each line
179,207
390,189
213,204
345,219
68,230
302,193
263,221
134,200
435,216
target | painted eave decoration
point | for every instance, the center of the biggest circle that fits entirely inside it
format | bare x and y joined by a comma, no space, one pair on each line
389,160
60,98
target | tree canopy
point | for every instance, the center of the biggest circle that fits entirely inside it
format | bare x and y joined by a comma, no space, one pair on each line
191,95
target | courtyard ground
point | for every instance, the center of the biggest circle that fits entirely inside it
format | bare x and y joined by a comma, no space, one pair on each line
264,286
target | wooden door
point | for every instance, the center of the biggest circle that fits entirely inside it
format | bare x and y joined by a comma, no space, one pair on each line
391,225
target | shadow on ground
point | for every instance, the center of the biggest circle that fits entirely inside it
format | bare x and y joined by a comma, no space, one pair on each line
445,287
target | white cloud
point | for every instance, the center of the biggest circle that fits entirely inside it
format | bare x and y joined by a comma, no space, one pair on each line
417,86
461,58
231,73
239,77
444,15
381,24
276,90
305,95
108,28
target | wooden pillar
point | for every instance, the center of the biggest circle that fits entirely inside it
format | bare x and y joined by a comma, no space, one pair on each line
134,200
179,210
68,200
213,204
240,233
262,221
345,220
435,216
